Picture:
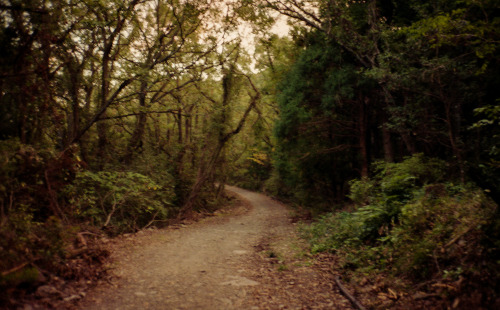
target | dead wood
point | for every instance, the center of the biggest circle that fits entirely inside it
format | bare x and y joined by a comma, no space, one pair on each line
12,270
76,252
459,236
348,295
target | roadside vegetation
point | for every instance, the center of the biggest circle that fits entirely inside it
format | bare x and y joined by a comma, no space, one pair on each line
387,133
409,221
380,118
115,116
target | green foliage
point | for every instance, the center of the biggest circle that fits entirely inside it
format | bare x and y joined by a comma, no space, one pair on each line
397,180
33,226
313,159
119,201
408,221
487,170
371,80
491,114
432,225
333,231
379,201
253,171
25,240
361,191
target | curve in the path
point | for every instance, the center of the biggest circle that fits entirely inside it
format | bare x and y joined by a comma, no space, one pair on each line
200,266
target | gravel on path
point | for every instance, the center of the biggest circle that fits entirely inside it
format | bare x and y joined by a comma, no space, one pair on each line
245,259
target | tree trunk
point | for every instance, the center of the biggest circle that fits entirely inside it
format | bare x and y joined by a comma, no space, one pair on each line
204,171
187,127
135,142
82,142
102,127
409,143
387,144
452,135
74,117
363,137
179,125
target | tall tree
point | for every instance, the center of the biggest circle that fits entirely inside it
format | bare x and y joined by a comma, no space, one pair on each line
222,127
408,71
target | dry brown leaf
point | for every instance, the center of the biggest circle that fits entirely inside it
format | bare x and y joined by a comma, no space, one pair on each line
392,294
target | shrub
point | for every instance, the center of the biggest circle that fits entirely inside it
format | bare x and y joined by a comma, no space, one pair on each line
408,221
361,191
119,201
437,229
32,226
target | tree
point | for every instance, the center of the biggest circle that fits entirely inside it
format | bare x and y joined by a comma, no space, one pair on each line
222,128
411,74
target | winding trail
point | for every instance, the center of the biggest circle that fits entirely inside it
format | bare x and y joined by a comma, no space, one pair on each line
217,263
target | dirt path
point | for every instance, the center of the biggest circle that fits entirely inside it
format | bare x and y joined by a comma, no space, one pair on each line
247,260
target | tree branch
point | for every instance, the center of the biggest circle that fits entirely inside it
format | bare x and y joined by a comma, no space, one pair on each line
172,111
346,293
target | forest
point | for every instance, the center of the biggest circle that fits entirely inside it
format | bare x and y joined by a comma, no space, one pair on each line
378,118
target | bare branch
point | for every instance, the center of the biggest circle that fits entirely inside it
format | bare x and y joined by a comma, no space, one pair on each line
172,111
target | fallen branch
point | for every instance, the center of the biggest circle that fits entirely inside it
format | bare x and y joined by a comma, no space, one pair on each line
76,252
459,236
346,293
426,283
81,239
89,233
12,270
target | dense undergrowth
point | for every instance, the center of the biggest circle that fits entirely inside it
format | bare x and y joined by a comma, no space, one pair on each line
410,221
55,209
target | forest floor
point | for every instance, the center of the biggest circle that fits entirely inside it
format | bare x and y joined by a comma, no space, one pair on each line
245,256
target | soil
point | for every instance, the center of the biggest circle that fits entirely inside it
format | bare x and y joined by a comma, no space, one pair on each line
244,257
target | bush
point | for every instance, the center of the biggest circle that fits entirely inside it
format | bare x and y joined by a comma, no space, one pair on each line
361,191
406,220
378,201
119,201
31,215
437,227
